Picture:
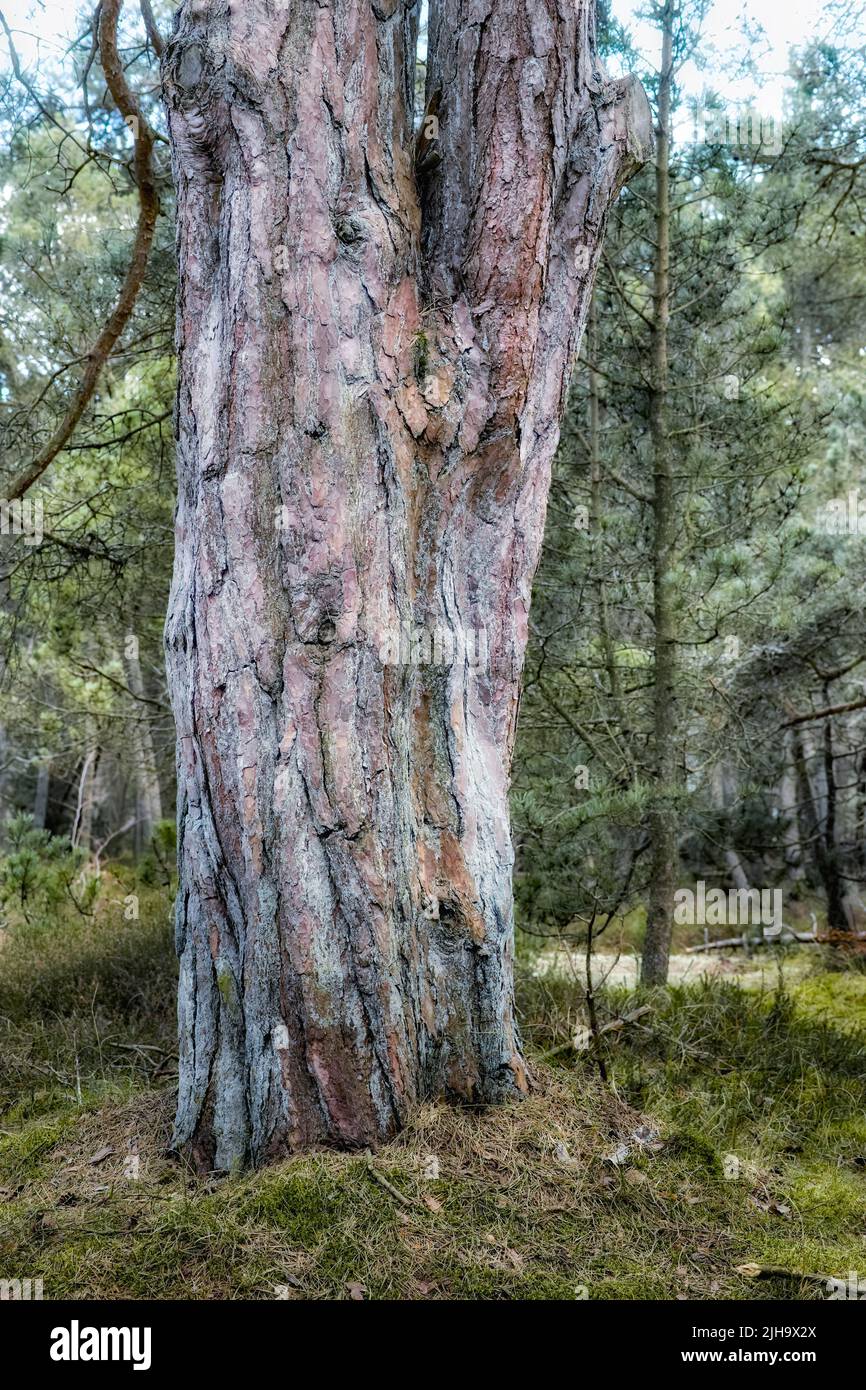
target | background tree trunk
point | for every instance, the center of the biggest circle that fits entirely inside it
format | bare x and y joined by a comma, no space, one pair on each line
819,815
372,372
40,795
726,794
148,794
663,820
789,810
89,799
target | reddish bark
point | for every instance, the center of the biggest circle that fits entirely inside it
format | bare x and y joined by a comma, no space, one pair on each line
371,380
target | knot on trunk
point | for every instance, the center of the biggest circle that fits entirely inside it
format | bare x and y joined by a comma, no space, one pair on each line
628,113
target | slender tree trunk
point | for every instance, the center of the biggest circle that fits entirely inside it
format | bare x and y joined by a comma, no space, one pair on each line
596,521
4,745
725,789
860,805
820,826
662,818
837,917
148,795
372,372
789,811
40,796
88,799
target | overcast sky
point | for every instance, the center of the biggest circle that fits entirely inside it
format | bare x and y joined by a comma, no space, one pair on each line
784,22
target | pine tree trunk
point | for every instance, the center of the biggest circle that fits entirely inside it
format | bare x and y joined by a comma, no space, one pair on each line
838,919
662,818
372,364
40,796
790,812
819,815
148,794
89,798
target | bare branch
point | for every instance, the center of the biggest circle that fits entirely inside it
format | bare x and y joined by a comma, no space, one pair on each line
150,25
824,713
99,354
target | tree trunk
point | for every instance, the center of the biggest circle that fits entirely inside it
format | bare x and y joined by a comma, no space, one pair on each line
860,805
372,370
40,796
148,795
662,818
89,796
725,792
820,825
838,918
790,812
601,562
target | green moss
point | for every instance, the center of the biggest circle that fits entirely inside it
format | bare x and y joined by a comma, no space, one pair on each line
632,1287
802,1252
832,1200
697,1152
476,1282
23,1151
304,1202
835,998
226,986
421,354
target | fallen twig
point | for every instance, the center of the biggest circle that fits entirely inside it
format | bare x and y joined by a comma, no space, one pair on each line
755,1271
614,1026
388,1186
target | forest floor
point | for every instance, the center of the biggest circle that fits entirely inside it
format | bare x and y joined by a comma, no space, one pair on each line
731,1132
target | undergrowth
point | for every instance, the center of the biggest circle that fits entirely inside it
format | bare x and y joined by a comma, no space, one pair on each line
732,1131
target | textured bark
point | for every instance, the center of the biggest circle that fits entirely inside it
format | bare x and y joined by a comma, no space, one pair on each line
860,806
838,918
378,364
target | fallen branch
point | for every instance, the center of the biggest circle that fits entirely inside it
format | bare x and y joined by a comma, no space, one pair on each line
616,1024
808,938
755,1271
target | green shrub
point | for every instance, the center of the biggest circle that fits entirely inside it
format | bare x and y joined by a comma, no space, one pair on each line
39,869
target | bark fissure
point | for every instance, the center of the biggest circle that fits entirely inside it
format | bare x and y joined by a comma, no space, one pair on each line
371,378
